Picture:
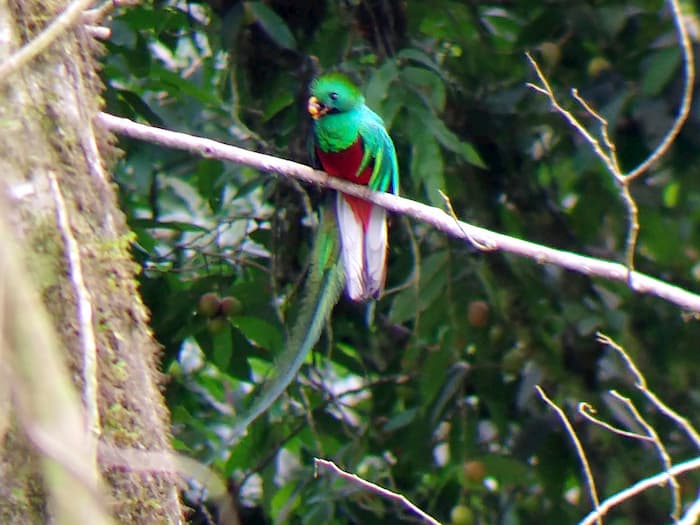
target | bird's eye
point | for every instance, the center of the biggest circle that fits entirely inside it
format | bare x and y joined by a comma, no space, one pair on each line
334,96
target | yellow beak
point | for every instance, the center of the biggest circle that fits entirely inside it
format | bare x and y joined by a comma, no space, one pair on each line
316,108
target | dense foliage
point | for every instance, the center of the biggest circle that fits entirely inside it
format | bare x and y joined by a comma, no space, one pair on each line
435,397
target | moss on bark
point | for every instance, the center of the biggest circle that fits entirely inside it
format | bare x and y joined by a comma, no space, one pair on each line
47,109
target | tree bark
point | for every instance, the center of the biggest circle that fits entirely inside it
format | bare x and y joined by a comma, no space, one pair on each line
78,365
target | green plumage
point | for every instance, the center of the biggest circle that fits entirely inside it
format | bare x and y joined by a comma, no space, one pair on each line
350,142
349,119
324,283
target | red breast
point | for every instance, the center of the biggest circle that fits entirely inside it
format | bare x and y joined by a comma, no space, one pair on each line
344,164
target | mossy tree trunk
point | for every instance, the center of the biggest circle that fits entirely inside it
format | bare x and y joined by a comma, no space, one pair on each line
78,365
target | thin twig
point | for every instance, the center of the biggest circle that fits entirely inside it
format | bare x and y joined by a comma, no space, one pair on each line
547,90
684,110
371,487
85,316
587,411
609,157
632,229
92,16
604,130
641,384
638,488
451,211
438,218
660,449
622,181
580,452
70,16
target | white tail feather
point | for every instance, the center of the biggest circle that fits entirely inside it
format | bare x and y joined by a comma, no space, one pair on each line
375,252
351,249
363,255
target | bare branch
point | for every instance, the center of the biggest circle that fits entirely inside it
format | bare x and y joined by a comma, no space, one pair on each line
641,384
546,90
660,449
580,452
438,218
684,110
638,488
451,211
371,487
588,411
609,157
604,130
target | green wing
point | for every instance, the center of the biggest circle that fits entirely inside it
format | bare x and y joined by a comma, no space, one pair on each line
379,150
324,283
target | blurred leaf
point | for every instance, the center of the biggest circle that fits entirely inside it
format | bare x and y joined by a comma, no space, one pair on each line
661,68
138,107
378,86
449,140
670,194
183,86
168,225
260,332
272,24
223,350
405,305
416,55
427,168
400,420
278,103
284,502
506,470
428,84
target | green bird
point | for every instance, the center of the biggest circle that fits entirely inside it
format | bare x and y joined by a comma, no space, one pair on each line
350,141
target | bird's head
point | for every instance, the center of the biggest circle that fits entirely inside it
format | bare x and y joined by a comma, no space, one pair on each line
333,93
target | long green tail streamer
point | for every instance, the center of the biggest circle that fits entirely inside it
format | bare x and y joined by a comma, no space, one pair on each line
324,284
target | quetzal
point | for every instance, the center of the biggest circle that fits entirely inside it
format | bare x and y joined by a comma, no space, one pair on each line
351,142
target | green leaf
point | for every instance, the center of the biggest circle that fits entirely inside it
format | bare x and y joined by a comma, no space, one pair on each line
285,500
208,173
429,85
278,103
506,470
260,332
408,302
168,225
671,192
419,56
273,25
378,86
449,140
660,69
451,384
139,108
180,86
427,168
400,420
223,349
